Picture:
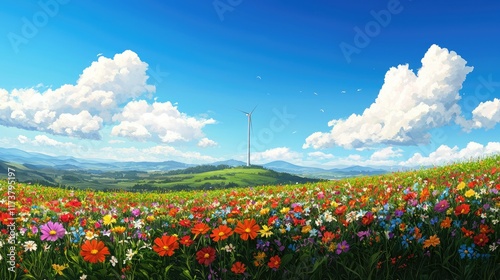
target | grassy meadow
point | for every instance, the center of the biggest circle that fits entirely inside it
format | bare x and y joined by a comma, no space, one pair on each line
437,223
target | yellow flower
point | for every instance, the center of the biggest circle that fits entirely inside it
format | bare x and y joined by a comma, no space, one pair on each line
260,257
334,204
470,193
108,220
306,229
332,247
118,230
59,268
264,211
265,231
150,218
285,210
461,186
449,211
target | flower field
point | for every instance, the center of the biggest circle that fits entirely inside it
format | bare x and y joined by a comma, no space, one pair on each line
439,223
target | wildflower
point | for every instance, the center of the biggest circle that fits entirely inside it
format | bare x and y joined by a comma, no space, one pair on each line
247,229
83,277
462,209
342,247
59,268
67,218
481,239
367,218
113,261
52,231
205,256
30,246
220,233
446,223
200,228
118,229
94,251
238,268
470,193
432,241
265,231
441,206
229,248
186,241
129,255
493,247
274,262
466,252
166,245
108,220
306,229
461,186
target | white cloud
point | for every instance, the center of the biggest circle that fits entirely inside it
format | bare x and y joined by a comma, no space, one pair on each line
205,142
160,122
486,115
281,153
44,142
155,153
444,154
407,107
81,109
102,96
386,153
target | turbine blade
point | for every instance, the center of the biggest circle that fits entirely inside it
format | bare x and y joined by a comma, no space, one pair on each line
254,108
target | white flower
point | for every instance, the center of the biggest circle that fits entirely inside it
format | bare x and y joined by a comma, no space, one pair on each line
46,247
1,258
229,248
130,254
138,224
30,245
1,243
495,221
493,247
113,260
83,277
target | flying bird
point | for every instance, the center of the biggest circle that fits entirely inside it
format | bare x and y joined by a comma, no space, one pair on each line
258,77
322,111
315,93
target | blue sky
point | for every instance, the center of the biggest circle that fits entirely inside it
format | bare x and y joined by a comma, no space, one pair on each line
376,83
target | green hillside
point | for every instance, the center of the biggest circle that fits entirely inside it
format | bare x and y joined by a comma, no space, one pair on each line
199,177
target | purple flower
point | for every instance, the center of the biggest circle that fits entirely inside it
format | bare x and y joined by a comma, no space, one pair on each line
342,247
441,206
52,231
398,213
363,234
136,212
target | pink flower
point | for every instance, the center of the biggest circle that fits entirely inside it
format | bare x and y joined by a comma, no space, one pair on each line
52,231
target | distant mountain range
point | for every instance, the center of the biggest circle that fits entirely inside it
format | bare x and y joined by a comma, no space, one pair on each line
38,160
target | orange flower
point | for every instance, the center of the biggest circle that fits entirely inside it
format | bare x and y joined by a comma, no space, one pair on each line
462,209
166,245
238,268
432,241
200,228
94,251
248,228
274,262
221,233
446,223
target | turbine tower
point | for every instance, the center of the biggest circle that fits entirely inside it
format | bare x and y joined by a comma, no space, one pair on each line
249,116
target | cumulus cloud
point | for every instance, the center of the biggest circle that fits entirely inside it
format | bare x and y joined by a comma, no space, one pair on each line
281,153
320,155
161,122
407,107
386,153
486,115
205,142
445,154
44,141
105,94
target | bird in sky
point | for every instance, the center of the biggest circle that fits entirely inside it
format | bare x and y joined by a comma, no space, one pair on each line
322,111
258,77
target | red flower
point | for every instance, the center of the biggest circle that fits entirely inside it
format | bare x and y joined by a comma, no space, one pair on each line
340,210
67,218
6,219
238,268
367,218
274,262
185,223
186,241
166,245
200,228
462,209
205,256
481,239
247,229
221,233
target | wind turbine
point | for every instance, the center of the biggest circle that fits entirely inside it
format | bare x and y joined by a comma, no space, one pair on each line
249,116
